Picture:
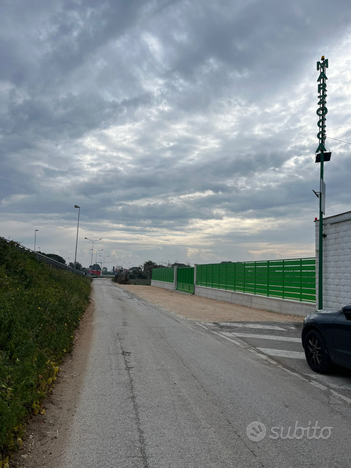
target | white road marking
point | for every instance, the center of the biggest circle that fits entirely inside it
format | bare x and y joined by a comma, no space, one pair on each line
346,385
200,325
318,385
342,397
263,356
275,363
283,353
264,337
252,325
229,339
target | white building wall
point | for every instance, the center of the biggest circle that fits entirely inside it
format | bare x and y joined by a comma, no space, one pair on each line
336,260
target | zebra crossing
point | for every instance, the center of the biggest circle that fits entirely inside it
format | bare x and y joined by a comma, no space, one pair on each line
280,341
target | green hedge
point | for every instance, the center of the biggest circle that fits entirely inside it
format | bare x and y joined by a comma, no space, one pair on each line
40,307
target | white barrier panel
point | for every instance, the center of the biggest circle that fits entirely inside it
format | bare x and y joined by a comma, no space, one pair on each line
271,304
163,284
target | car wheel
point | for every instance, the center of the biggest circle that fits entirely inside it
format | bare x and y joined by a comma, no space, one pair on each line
316,352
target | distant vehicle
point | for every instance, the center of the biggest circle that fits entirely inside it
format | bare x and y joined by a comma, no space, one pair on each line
94,272
326,339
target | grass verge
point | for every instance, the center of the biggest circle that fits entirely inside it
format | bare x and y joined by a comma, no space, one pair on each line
40,307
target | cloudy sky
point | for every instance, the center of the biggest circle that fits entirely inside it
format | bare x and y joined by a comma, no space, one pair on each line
185,130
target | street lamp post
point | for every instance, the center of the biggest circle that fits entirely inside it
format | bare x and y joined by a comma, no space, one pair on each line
75,256
92,250
103,261
35,238
96,254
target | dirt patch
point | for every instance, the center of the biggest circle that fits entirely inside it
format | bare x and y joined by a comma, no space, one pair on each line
46,435
204,309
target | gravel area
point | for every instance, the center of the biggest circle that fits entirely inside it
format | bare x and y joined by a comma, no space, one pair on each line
203,309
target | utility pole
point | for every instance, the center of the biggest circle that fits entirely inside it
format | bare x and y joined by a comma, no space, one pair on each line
35,239
75,255
92,250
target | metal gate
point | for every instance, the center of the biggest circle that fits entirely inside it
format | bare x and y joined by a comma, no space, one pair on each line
185,280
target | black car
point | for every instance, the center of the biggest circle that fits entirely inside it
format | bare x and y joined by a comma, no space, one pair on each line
326,338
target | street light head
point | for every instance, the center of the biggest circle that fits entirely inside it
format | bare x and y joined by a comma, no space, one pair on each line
76,206
36,230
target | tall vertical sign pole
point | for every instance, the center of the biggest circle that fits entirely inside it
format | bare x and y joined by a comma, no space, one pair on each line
321,112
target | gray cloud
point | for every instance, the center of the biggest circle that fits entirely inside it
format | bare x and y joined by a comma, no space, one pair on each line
173,121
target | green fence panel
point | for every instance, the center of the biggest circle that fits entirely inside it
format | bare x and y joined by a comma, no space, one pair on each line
239,278
163,274
231,268
262,281
185,280
199,272
215,277
249,282
293,279
222,281
208,276
202,274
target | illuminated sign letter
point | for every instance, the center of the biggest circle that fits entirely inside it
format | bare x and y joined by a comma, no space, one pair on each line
321,123
321,111
322,65
322,99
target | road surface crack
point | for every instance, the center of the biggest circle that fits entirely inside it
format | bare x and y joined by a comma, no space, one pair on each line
141,436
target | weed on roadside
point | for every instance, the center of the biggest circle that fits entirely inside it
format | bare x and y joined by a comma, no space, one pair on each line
40,307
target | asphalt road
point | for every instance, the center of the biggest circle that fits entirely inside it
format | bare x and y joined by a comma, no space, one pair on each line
161,391
281,342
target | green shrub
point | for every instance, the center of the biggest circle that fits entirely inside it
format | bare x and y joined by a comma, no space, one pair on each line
40,307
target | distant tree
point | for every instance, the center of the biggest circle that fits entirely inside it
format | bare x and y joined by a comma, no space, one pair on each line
148,267
136,273
181,265
78,265
95,267
121,276
56,257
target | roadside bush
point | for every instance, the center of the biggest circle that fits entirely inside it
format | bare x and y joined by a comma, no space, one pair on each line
121,277
40,307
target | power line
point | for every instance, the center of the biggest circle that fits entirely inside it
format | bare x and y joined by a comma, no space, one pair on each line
342,141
